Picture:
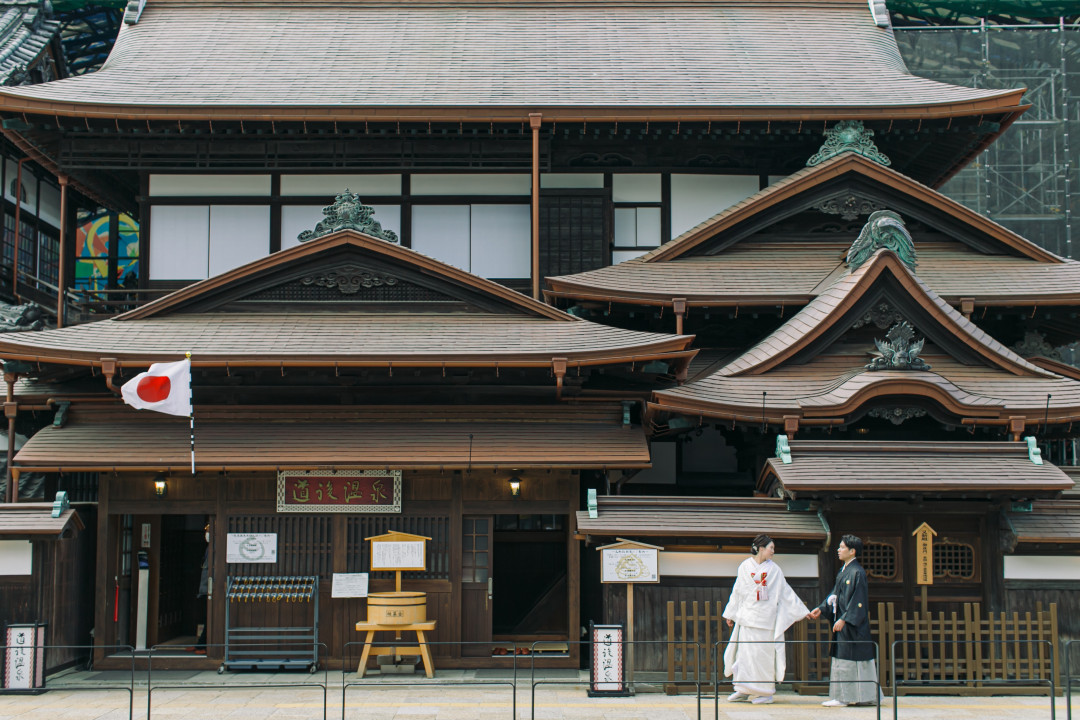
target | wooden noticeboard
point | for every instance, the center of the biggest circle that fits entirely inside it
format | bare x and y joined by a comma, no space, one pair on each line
398,551
630,562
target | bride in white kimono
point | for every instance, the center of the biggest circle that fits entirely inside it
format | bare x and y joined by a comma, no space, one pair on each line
762,607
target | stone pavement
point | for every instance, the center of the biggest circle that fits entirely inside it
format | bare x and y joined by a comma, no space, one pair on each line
390,698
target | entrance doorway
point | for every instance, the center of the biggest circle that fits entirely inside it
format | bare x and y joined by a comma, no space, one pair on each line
515,585
162,557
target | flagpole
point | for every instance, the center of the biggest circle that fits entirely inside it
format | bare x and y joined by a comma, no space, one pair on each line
191,416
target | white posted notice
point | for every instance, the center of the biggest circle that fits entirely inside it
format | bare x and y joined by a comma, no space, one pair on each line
350,585
251,548
397,555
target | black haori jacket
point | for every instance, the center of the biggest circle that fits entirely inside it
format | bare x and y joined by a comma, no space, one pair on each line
854,642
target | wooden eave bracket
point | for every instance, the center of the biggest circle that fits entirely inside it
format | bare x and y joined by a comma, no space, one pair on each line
679,305
558,366
967,306
108,369
1017,423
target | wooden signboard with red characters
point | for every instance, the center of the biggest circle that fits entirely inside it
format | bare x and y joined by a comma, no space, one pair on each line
351,491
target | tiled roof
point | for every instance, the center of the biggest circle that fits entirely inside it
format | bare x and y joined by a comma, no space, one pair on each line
835,382
838,384
395,437
280,55
924,467
204,319
35,520
1052,521
619,516
831,305
25,30
794,273
345,336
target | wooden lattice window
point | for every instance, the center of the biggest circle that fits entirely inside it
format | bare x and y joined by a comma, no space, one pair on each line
954,560
880,560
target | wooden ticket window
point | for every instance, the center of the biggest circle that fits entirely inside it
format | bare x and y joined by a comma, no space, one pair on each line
477,584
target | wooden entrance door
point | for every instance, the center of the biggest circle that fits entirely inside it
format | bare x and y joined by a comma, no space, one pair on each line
477,584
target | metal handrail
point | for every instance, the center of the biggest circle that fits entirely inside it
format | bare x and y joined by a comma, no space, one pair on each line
534,683
984,681
129,687
346,665
1066,649
151,687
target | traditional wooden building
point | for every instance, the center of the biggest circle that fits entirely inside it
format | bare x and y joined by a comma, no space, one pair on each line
513,142
350,357
847,318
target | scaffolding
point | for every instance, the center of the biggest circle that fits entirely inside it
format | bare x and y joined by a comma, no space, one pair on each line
1026,180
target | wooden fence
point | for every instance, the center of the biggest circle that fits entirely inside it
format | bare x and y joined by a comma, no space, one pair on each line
955,652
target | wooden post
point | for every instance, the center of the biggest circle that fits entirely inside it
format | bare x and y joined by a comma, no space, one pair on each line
630,632
534,124
18,221
61,277
11,410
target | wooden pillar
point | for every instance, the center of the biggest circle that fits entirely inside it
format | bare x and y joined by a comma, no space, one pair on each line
61,277
10,411
104,588
18,232
534,123
456,511
573,566
215,616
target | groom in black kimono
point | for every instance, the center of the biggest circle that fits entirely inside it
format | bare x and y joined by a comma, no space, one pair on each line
853,671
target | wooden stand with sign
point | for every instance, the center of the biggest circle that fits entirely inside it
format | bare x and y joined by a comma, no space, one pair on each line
398,611
924,559
630,562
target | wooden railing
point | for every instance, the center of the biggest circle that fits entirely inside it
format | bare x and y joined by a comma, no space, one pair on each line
963,652
964,648
687,624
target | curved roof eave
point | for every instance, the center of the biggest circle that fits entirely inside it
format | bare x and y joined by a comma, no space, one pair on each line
1003,102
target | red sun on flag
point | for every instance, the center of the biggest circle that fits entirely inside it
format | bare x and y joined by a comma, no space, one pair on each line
154,388
164,388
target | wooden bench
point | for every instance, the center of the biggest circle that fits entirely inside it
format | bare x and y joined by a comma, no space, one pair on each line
420,649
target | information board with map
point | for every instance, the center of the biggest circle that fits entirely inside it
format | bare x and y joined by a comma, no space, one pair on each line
629,565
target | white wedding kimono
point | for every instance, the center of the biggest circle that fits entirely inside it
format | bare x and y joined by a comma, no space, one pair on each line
763,606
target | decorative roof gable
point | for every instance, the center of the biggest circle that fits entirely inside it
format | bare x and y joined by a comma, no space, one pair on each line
884,229
352,268
883,280
848,185
848,136
814,366
348,213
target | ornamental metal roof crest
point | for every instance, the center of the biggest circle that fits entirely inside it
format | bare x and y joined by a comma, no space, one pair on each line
899,350
883,229
349,213
848,136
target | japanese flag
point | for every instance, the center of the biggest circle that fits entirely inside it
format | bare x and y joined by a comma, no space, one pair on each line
164,388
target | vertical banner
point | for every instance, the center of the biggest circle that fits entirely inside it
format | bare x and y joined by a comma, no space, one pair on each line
607,676
24,657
